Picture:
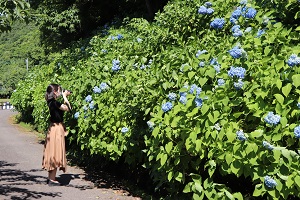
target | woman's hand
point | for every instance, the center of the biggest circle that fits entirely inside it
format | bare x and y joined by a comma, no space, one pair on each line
66,93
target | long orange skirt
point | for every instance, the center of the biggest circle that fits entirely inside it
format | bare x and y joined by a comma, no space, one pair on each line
54,155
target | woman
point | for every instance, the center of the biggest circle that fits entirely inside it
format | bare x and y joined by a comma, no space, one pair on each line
54,149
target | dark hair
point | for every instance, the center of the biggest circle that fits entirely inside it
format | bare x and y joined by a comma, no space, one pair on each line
50,91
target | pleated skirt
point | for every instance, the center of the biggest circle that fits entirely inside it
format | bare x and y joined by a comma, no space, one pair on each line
54,155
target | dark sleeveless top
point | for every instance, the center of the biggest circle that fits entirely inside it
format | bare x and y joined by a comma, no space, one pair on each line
56,115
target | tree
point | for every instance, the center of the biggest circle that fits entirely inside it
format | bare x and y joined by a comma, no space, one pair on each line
12,10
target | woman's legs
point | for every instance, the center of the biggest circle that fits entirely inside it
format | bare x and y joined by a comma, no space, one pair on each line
52,175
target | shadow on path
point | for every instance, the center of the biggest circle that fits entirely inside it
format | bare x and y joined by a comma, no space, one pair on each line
12,181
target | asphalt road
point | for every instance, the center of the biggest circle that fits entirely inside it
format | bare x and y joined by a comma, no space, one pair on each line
21,176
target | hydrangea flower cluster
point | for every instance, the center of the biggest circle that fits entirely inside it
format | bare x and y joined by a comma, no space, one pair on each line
251,13
96,90
76,115
297,132
298,104
206,9
172,96
167,106
235,15
218,23
248,29
118,37
238,85
237,52
139,40
103,86
194,88
198,102
88,98
221,82
183,99
236,31
199,52
103,50
272,119
241,135
260,32
270,182
215,64
268,146
237,72
116,65
124,130
294,60
91,105
202,64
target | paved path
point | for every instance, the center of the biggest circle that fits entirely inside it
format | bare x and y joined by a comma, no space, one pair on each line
21,176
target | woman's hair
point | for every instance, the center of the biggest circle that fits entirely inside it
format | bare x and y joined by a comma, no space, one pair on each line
50,91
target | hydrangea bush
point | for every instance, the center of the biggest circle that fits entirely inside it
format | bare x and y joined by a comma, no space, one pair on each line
200,129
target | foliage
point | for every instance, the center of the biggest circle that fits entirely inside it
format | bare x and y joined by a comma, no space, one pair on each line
17,46
205,107
11,11
63,22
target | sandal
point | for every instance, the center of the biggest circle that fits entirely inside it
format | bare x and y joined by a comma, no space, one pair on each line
53,183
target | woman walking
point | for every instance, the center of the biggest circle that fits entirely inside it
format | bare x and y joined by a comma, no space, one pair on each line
54,155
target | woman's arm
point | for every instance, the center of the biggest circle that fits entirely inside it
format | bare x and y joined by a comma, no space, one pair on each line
66,106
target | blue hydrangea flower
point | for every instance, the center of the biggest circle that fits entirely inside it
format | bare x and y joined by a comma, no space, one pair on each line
294,60
269,182
85,108
208,4
238,33
120,36
241,135
202,10
103,50
96,90
265,20
237,52
103,86
248,29
213,61
235,28
76,115
272,119
233,20
91,105
238,85
182,94
243,2
194,88
124,130
298,104
217,68
260,32
199,52
210,11
143,66
217,23
201,64
116,65
237,72
150,125
172,96
88,98
268,146
236,14
198,102
297,132
221,82
167,106
183,99
251,13
139,40
150,61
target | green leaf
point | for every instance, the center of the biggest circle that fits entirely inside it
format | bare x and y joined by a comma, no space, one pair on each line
191,74
296,80
204,109
169,147
279,84
202,81
287,89
163,159
258,190
279,98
